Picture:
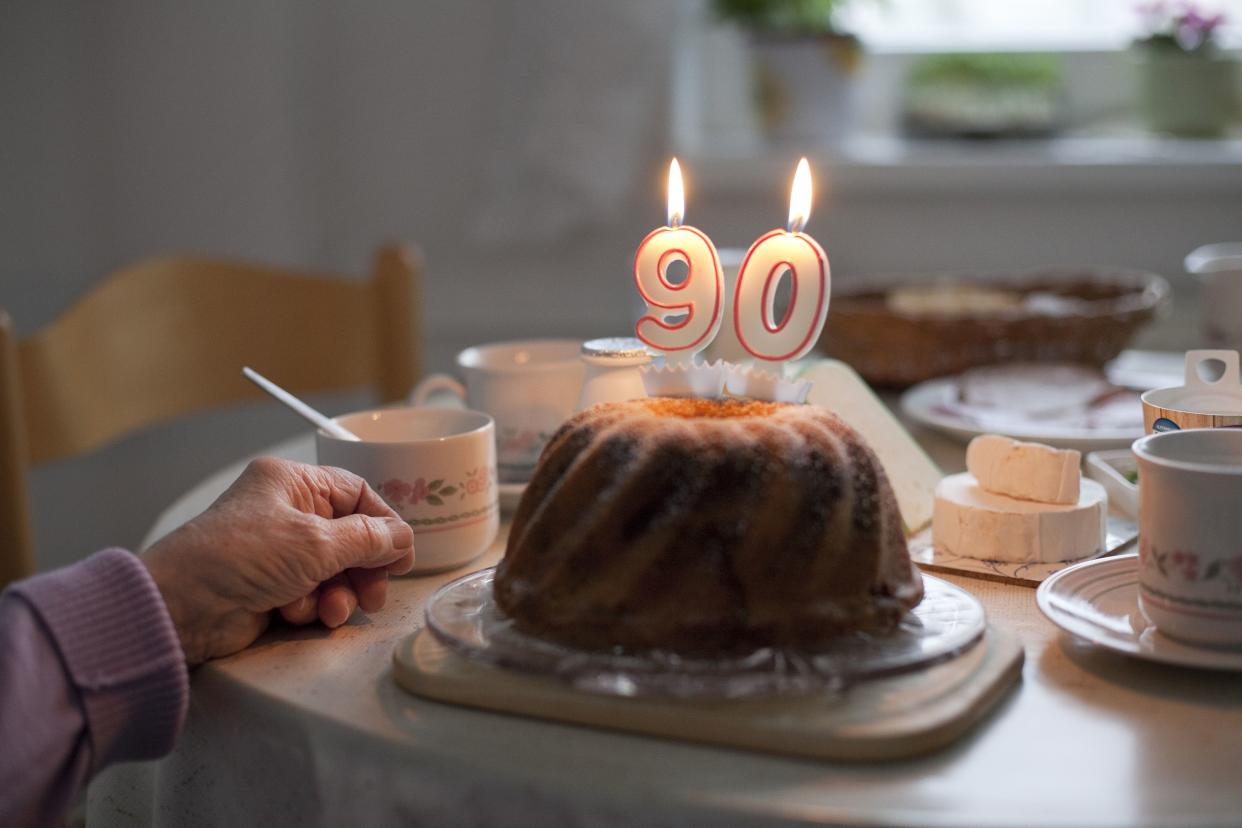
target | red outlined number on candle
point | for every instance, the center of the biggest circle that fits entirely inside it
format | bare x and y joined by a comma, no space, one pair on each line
758,331
699,298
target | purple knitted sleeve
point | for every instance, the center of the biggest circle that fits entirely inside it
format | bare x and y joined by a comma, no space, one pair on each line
91,672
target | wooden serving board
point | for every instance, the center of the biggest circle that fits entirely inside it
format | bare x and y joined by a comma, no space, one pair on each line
884,719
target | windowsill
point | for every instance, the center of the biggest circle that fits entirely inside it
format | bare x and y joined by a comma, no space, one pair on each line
931,45
1086,162
1085,45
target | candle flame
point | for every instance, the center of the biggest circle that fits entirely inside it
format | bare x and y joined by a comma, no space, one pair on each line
676,195
800,198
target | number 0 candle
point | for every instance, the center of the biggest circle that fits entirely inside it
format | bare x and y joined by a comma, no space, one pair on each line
682,318
769,258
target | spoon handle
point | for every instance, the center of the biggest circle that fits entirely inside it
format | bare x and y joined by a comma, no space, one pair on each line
327,424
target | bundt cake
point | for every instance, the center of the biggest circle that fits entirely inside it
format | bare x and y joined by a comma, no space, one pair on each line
706,526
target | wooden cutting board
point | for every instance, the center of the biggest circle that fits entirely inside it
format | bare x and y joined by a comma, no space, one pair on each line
890,718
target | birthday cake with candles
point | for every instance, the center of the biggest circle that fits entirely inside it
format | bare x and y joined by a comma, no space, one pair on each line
720,513
706,525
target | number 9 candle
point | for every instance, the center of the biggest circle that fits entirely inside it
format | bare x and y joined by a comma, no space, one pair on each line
754,300
697,299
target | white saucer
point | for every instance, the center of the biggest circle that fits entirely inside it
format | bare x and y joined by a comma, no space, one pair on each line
1098,602
510,495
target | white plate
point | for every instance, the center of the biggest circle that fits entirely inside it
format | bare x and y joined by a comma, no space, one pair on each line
927,403
1145,370
510,494
1098,602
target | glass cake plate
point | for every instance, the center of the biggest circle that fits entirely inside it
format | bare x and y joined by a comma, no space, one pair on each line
463,616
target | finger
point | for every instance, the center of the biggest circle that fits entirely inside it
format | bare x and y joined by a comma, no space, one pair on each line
370,503
368,542
403,565
301,610
371,587
349,494
336,601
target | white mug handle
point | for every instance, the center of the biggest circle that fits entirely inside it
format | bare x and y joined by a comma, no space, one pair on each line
1229,382
439,384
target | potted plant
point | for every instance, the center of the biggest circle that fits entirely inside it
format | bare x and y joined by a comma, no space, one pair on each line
984,95
1186,84
805,66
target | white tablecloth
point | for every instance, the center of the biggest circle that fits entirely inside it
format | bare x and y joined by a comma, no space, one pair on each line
308,728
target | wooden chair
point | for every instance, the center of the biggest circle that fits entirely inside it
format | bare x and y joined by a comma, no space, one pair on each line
167,337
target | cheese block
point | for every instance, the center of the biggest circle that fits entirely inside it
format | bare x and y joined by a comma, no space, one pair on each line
1028,471
911,472
975,523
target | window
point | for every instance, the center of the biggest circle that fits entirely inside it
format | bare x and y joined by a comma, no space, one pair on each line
1011,25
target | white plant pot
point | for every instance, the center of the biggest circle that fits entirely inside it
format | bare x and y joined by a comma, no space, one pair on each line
805,88
1186,94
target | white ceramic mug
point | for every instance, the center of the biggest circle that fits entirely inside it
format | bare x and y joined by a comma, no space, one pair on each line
1219,268
436,467
1190,534
530,387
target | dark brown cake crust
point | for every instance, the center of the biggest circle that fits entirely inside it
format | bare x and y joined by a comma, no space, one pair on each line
706,526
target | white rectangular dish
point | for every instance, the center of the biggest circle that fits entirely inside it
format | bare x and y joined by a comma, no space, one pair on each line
1116,470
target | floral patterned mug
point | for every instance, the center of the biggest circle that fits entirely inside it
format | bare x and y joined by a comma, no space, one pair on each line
1190,534
436,467
530,386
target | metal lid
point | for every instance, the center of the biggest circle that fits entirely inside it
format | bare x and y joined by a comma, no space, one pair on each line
615,347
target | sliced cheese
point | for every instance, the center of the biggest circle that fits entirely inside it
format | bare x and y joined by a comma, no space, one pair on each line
911,472
975,523
1029,471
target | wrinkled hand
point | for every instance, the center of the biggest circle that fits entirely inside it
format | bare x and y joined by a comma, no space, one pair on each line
311,541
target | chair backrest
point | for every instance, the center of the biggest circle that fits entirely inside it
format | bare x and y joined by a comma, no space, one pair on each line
167,337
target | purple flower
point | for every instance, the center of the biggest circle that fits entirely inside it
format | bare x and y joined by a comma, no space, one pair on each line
1183,22
1188,35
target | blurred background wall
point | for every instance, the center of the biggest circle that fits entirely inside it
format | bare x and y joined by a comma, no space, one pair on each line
520,144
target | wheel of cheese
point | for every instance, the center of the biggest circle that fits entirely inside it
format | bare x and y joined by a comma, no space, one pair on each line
1029,471
972,522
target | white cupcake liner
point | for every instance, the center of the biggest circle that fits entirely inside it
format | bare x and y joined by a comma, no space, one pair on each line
685,379
710,381
758,384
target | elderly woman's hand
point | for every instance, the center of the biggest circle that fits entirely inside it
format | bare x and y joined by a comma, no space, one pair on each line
311,541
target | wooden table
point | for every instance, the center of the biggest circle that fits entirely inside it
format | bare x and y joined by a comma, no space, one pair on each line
308,727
